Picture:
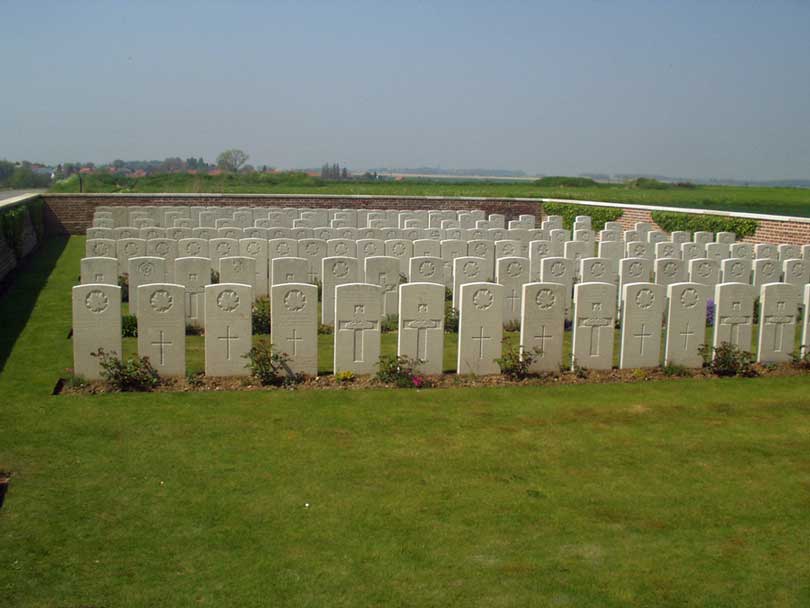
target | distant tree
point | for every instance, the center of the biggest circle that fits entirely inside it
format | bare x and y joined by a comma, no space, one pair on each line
118,163
248,169
6,170
232,160
344,174
173,165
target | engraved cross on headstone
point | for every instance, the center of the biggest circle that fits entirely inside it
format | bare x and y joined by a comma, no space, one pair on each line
295,339
513,299
686,334
481,337
422,326
228,337
642,336
735,321
543,337
162,343
780,320
357,327
596,324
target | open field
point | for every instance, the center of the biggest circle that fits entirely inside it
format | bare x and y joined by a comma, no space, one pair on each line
780,201
691,492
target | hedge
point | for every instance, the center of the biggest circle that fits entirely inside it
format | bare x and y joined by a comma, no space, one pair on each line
671,221
12,224
599,215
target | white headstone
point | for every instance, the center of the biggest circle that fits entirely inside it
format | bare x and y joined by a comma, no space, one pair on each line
480,328
335,271
291,270
777,323
193,273
421,325
542,325
162,327
228,328
144,270
96,324
358,309
99,270
294,323
686,324
512,273
734,315
467,269
736,270
766,270
256,249
594,320
384,271
427,269
219,248
642,314
705,271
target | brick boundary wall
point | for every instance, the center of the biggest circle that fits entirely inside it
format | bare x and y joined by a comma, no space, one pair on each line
73,213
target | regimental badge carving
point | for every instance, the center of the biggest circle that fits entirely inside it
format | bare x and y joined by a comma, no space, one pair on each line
689,298
283,249
162,248
670,268
768,268
508,249
514,269
193,248
427,269
399,249
100,249
598,269
369,248
341,248
96,301
470,269
480,249
635,269
482,299
736,268
223,249
311,248
146,268
340,269
238,266
704,269
545,299
295,300
558,269
541,248
422,308
228,300
253,248
161,301
130,249
645,298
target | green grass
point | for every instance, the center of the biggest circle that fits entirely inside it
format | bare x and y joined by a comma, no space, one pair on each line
693,492
755,199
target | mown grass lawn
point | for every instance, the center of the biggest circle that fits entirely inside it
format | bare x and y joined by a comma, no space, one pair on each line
695,492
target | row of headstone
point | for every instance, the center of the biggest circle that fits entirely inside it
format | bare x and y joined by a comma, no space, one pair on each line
358,308
170,217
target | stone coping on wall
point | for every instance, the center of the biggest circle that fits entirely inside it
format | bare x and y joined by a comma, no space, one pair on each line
19,200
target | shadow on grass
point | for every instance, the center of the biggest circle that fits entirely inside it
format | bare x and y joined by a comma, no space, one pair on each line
21,291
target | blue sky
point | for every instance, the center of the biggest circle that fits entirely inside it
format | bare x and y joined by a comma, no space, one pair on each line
681,88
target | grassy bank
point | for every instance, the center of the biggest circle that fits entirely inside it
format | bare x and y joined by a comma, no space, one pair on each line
659,494
782,201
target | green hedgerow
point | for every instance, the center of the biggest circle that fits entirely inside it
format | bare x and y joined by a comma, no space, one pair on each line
694,222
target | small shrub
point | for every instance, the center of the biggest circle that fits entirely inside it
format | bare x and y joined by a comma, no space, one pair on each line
512,326
194,379
672,370
561,181
647,183
123,283
261,315
194,329
514,364
269,367
728,360
325,330
346,377
402,372
134,374
390,323
801,361
579,371
129,326
214,277
450,319
72,380
448,294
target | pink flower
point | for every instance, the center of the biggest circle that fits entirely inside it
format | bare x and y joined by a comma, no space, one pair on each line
417,381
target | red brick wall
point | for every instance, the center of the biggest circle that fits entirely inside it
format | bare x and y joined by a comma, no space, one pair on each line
73,213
